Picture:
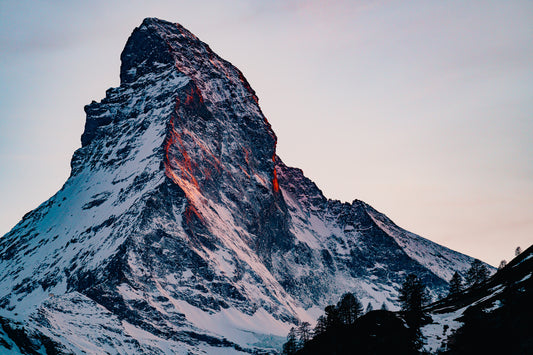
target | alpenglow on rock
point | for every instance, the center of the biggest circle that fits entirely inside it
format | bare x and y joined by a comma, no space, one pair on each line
180,230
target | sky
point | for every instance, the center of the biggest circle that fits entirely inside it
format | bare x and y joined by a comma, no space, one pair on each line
423,109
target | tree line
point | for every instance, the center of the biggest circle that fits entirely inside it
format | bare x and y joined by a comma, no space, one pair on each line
413,296
345,312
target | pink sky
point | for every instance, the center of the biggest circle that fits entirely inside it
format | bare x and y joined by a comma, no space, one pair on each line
422,108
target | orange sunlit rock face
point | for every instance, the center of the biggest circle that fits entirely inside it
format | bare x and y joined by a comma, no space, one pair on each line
190,212
198,158
275,184
184,163
169,141
179,168
194,96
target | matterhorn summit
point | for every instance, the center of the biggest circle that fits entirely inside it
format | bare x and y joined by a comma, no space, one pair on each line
181,231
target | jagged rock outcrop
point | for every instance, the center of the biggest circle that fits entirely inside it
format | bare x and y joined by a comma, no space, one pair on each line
180,230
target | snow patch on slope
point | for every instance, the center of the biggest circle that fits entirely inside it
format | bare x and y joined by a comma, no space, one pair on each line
439,330
442,261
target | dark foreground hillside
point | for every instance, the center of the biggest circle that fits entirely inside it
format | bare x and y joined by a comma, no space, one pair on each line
500,318
377,332
493,317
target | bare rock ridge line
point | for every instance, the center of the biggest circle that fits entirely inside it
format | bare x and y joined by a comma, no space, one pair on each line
180,230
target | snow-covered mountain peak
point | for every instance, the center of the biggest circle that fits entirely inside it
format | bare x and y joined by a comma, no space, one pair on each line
180,226
157,43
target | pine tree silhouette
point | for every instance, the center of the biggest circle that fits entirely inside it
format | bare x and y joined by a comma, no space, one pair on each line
349,308
456,284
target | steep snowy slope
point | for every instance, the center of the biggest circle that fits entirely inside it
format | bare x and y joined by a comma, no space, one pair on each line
352,246
180,230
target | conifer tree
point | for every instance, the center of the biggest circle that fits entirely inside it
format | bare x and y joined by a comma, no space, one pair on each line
321,326
384,307
412,298
304,332
369,307
332,317
517,251
503,264
349,308
477,273
291,346
456,284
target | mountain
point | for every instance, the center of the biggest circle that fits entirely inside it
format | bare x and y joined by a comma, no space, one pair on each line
180,230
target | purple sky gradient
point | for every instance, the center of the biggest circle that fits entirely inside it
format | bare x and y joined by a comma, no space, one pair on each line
424,109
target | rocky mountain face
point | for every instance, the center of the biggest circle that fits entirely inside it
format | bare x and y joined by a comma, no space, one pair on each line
180,229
